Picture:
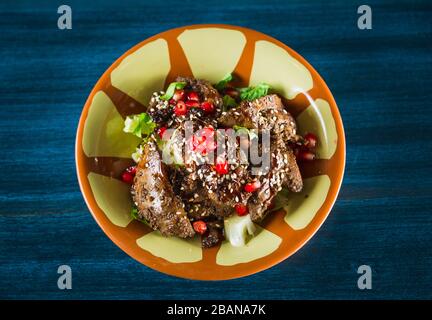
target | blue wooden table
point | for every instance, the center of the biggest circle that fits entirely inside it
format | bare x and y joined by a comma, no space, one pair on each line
381,80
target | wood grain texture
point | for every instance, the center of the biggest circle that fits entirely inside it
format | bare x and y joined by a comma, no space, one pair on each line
381,80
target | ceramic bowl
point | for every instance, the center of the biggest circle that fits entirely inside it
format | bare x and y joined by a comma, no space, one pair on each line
209,52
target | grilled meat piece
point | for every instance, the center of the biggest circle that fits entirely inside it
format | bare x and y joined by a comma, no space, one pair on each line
160,111
154,197
266,113
294,181
284,172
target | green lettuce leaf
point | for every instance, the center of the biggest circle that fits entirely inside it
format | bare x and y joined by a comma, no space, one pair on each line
222,84
252,93
141,125
172,88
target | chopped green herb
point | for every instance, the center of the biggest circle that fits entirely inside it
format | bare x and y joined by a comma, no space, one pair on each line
172,88
135,216
134,213
252,93
141,125
228,103
222,84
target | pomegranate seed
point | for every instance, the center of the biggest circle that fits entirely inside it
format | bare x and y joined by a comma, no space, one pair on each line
241,209
203,141
161,131
193,96
305,155
178,95
197,143
180,109
221,167
208,132
172,102
129,174
200,226
127,177
208,107
194,143
252,186
192,104
131,170
311,140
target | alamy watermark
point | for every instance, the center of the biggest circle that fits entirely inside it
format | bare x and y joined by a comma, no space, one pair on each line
64,282
65,19
365,280
210,146
364,22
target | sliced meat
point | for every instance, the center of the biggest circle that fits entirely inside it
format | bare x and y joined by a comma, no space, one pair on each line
294,181
284,172
224,191
155,199
266,113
